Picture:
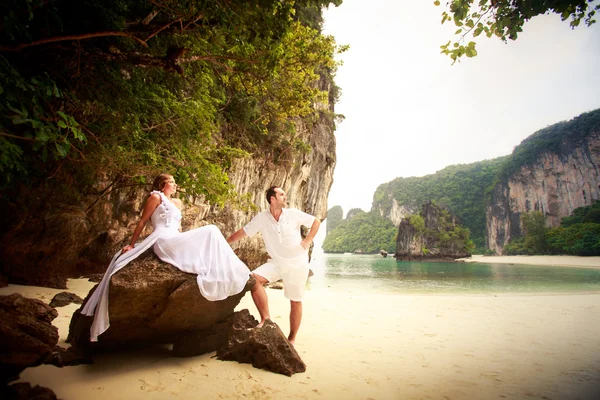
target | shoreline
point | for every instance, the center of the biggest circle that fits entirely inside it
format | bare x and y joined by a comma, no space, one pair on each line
363,345
550,261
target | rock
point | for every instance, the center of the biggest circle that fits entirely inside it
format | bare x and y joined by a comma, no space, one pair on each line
413,244
202,342
152,302
28,337
276,285
265,347
43,247
555,183
383,253
62,357
24,391
65,298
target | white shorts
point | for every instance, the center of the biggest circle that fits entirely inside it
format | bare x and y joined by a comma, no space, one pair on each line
294,277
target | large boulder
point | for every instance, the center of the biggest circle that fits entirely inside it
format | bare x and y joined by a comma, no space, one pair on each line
152,302
27,336
265,347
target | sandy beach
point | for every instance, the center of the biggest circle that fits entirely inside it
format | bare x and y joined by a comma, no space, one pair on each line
369,346
557,261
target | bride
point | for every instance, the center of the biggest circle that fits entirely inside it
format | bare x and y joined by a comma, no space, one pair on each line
202,251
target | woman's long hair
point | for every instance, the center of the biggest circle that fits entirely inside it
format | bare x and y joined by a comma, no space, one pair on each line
161,181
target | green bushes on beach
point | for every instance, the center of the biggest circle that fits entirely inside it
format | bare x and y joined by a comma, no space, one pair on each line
578,235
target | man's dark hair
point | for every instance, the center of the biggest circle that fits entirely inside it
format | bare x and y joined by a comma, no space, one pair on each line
271,192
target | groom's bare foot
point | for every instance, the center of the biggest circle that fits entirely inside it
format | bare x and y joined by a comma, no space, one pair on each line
260,325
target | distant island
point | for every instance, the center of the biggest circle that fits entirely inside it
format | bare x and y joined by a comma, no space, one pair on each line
541,199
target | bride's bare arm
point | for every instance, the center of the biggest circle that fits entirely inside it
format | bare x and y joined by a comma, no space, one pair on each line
151,204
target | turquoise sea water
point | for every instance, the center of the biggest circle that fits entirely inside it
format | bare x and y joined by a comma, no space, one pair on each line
375,274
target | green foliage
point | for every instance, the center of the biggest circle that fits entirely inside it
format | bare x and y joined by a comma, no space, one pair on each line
367,232
582,215
444,233
460,188
32,120
516,246
180,87
534,227
353,212
417,222
578,234
335,215
505,19
581,239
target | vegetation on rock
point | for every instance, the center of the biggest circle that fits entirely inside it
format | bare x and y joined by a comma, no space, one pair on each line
131,88
559,138
335,216
460,188
364,231
578,234
438,231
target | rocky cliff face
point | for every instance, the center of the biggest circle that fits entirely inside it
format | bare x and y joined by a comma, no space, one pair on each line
307,181
396,213
59,237
555,185
426,243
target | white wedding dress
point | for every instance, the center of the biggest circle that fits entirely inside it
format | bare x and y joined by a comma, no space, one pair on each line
202,251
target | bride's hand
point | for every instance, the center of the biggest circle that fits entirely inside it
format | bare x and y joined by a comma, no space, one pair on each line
126,249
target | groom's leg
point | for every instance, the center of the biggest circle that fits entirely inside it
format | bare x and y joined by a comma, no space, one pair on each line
295,319
259,296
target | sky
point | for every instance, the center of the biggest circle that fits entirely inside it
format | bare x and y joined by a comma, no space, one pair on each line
410,112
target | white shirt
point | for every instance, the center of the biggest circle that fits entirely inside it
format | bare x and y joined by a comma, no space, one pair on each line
282,238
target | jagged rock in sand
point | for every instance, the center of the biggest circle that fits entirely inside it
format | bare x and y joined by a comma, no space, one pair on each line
65,298
266,347
28,337
152,302
24,391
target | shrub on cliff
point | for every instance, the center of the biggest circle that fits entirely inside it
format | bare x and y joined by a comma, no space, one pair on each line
130,88
364,231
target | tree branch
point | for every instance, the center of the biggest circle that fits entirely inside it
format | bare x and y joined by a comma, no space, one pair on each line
161,29
16,137
22,46
213,57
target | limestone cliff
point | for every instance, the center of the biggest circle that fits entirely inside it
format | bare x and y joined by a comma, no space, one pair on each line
396,212
436,236
307,181
52,236
555,183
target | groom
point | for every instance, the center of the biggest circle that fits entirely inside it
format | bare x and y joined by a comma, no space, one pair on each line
280,229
